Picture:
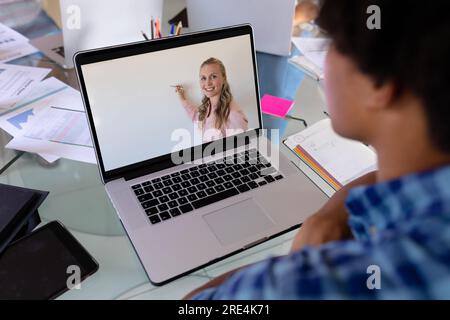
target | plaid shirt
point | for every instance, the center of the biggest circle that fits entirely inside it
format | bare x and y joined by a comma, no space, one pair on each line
400,226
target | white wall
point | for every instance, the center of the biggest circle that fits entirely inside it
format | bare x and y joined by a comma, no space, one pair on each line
135,109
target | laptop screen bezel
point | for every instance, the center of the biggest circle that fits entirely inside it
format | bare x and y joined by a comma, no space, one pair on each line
99,55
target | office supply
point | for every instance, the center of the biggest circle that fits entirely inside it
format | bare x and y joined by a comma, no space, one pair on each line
94,29
179,27
39,265
312,60
172,29
152,28
336,160
144,35
19,212
273,38
218,204
59,132
10,38
158,28
16,82
16,52
275,106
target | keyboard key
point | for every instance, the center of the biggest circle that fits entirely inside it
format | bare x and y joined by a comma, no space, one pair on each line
228,185
175,174
168,183
210,191
192,197
236,175
163,199
182,201
221,172
186,208
151,211
254,176
215,198
157,193
220,165
150,203
268,171
204,171
244,172
163,207
237,167
183,193
237,182
219,180
219,188
137,186
145,197
172,204
203,165
138,192
186,177
186,184
156,180
158,185
165,216
176,187
148,189
245,179
229,170
243,188
193,169
201,186
177,180
175,212
154,219
165,177
279,177
173,196
203,178
201,194
212,168
192,189
227,177
195,174
146,183
262,183
184,171
167,190
269,179
210,183
253,185
212,175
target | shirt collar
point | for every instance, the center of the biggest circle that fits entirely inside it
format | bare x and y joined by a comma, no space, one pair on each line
385,205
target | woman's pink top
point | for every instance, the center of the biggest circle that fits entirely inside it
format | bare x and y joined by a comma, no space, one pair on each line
237,121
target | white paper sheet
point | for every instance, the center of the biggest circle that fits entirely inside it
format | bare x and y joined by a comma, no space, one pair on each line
16,82
19,51
314,52
344,159
10,38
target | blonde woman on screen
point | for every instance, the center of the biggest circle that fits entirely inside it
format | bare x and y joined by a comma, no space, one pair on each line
219,115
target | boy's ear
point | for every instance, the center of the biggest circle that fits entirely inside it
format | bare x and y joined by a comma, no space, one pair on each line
383,95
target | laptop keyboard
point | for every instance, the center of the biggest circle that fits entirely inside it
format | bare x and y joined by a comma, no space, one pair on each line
181,192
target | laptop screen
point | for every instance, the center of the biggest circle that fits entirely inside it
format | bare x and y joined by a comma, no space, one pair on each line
153,104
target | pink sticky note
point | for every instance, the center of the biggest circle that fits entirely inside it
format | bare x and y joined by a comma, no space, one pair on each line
276,106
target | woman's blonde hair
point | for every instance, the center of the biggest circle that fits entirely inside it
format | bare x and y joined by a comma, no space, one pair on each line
222,111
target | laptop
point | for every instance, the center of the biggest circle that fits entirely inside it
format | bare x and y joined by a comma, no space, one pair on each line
273,38
187,200
88,24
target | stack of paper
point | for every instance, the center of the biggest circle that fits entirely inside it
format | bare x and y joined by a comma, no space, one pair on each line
336,160
13,45
51,122
314,52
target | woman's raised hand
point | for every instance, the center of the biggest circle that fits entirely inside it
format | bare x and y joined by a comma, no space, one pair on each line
180,91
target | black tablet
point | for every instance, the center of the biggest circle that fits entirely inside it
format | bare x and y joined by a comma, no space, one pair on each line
44,264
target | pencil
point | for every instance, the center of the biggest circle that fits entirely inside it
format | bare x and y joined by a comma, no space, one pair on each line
151,28
144,35
179,27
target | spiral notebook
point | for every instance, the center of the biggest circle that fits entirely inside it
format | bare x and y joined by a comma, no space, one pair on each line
336,160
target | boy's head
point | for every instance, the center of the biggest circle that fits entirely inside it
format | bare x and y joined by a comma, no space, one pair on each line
372,75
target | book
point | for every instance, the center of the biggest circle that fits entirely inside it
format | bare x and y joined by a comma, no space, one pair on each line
335,159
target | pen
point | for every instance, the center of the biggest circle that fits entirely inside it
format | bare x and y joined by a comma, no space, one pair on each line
151,28
179,26
172,29
144,35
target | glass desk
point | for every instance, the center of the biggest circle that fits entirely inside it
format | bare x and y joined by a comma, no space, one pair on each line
77,197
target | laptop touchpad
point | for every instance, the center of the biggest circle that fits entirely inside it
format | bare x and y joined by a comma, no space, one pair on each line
238,222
